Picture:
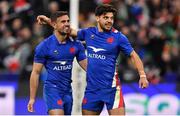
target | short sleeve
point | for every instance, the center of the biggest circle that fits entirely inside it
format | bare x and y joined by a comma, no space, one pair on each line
125,45
81,34
81,52
40,53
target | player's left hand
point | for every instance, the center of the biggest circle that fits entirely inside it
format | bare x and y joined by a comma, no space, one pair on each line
30,107
143,82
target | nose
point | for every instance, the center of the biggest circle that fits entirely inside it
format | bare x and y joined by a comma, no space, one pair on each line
110,20
67,23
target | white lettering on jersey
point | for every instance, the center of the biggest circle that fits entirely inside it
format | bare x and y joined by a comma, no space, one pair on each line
60,68
63,67
97,56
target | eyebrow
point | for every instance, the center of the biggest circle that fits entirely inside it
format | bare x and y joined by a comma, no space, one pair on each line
108,16
65,20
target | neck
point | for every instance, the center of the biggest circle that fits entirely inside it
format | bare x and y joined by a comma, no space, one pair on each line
61,38
102,30
99,28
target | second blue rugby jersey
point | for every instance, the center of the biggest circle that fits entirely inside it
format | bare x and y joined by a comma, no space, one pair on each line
57,59
102,51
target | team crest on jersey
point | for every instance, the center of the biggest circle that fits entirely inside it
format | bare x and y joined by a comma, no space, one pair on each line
110,40
55,52
72,50
84,101
92,36
60,102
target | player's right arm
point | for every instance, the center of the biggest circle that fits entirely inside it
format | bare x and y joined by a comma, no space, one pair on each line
83,64
42,19
34,82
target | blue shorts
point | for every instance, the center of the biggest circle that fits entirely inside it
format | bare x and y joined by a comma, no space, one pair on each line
56,99
94,100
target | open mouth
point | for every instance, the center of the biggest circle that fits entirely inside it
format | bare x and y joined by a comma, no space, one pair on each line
108,25
66,28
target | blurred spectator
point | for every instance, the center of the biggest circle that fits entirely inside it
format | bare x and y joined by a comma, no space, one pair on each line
7,45
16,61
21,5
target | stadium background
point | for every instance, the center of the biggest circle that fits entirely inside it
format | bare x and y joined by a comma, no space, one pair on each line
152,26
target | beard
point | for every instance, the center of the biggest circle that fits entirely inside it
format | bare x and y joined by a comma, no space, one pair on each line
103,27
64,31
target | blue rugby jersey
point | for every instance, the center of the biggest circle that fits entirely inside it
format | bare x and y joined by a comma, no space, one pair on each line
57,59
102,51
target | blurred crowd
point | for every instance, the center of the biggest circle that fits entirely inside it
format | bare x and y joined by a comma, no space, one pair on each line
152,26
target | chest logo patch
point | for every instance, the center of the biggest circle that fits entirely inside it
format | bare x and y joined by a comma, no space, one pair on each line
72,50
110,40
96,49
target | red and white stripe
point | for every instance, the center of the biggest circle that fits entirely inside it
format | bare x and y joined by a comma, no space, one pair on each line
118,100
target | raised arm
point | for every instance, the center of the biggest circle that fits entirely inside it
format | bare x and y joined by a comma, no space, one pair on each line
34,82
42,20
143,82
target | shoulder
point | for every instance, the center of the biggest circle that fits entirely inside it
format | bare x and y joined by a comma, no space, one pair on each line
76,42
45,42
115,31
91,28
88,29
118,33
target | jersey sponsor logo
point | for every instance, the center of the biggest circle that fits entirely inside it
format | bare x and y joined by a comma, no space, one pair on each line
96,49
62,66
110,40
60,62
97,56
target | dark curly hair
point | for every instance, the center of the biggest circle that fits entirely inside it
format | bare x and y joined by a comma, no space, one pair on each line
104,8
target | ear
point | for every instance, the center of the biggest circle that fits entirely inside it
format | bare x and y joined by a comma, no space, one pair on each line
97,18
54,25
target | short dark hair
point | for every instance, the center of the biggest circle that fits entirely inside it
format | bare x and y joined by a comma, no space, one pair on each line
102,9
57,14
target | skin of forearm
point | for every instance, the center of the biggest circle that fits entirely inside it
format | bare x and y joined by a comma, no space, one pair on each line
34,82
48,21
138,63
83,64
